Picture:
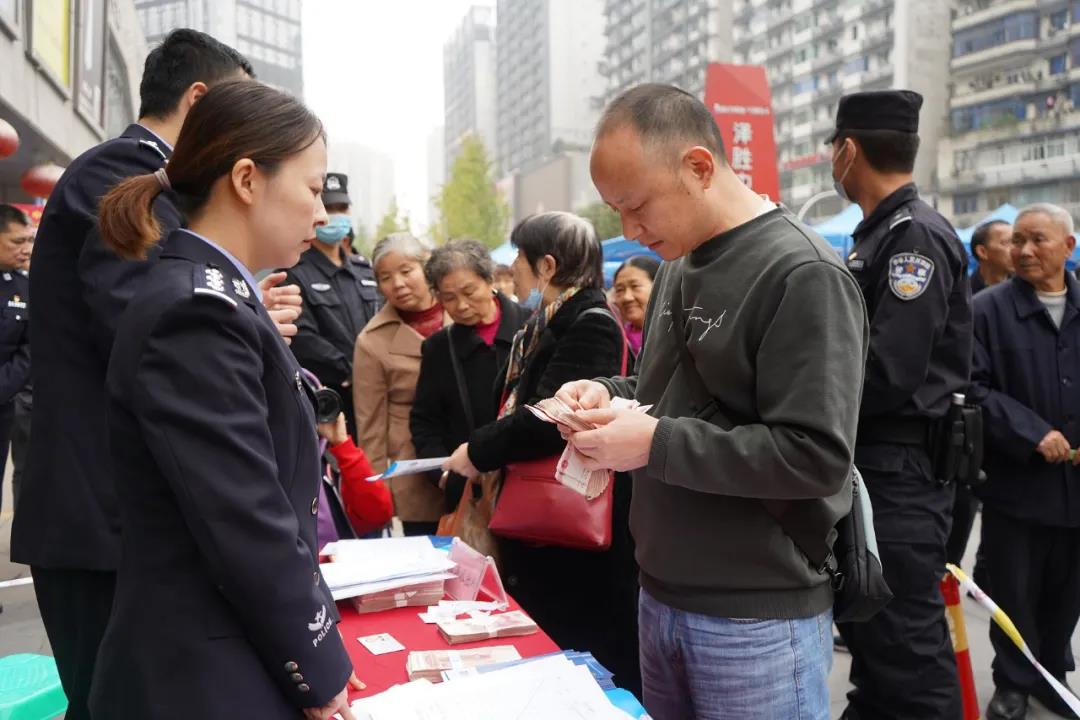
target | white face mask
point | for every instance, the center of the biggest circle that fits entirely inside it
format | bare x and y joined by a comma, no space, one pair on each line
838,184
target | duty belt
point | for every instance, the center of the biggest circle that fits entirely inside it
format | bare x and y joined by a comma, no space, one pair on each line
898,431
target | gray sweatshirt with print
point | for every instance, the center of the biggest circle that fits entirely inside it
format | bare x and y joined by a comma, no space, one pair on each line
777,331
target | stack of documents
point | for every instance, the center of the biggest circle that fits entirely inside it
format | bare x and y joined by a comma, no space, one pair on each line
421,594
604,677
431,664
484,627
552,687
570,470
365,567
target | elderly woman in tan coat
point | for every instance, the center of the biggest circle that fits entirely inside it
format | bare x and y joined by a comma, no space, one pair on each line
386,365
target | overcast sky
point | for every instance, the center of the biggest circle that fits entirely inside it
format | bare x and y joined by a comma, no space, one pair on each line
373,73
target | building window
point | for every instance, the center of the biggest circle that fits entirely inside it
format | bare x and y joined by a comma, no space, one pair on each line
858,64
1074,95
1018,26
964,204
991,114
1057,64
1074,50
1060,19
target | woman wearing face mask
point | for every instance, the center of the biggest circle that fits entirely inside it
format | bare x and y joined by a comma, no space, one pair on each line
220,610
632,288
386,365
582,599
450,405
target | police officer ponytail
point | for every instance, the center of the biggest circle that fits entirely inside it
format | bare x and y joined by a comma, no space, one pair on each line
234,120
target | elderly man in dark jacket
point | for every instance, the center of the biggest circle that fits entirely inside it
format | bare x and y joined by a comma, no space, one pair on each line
1026,376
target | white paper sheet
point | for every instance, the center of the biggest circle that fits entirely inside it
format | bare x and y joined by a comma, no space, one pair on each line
409,467
551,687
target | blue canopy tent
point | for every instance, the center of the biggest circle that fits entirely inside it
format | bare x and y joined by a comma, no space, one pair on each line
504,254
838,229
618,250
1006,212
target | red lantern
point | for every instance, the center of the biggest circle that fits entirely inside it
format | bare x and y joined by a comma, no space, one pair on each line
40,180
9,139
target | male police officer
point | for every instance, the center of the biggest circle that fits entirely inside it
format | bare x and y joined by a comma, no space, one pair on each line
339,296
68,526
15,241
913,273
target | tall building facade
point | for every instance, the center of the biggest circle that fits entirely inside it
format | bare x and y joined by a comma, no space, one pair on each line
371,180
1014,110
547,75
266,32
814,51
69,80
665,41
469,83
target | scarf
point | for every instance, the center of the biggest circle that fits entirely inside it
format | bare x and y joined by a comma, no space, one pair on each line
525,341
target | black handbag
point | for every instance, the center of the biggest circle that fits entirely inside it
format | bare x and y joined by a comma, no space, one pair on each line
848,553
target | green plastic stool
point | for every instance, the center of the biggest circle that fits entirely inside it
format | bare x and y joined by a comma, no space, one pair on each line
30,688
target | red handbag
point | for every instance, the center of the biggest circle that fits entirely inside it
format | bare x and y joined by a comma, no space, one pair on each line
534,507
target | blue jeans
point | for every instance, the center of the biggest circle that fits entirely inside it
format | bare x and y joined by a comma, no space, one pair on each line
707,668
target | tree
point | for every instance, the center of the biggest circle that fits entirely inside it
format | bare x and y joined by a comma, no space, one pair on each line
469,204
361,238
393,221
605,221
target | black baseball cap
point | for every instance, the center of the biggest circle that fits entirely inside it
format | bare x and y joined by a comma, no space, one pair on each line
336,189
878,110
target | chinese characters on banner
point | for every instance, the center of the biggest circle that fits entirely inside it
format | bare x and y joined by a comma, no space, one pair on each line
738,97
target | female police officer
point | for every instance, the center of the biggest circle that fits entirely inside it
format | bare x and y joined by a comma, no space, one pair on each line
220,610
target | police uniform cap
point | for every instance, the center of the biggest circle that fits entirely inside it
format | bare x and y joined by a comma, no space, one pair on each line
878,110
336,189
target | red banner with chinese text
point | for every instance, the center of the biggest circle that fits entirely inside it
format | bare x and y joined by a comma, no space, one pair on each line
739,99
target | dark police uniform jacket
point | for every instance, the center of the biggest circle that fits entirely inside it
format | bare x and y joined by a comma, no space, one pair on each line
338,303
14,335
220,610
1026,377
913,273
67,507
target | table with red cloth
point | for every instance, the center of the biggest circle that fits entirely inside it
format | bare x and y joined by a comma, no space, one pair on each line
380,672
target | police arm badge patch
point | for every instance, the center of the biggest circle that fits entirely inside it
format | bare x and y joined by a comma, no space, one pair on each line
909,275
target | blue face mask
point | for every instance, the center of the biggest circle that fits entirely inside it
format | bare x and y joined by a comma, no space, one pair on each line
335,229
532,301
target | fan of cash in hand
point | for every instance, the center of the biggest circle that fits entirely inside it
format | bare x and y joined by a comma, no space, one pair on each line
571,470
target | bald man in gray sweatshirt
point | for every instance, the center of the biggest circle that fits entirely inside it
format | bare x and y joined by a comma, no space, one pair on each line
755,343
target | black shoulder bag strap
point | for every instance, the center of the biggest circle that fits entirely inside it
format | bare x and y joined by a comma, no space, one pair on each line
817,549
459,377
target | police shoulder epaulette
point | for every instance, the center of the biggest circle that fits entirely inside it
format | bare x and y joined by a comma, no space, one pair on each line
211,281
155,147
899,219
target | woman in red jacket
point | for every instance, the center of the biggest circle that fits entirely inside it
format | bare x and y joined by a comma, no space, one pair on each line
367,505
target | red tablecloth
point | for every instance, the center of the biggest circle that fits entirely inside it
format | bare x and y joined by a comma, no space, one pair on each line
380,672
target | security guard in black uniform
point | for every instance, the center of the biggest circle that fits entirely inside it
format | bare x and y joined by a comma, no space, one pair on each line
220,609
15,241
913,273
339,295
68,525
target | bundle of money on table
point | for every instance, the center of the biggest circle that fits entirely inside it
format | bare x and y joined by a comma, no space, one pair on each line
485,627
430,664
571,470
420,594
